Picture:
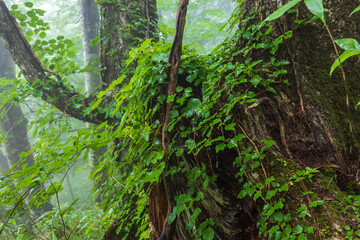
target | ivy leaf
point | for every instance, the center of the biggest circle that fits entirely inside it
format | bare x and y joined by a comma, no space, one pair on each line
190,144
179,152
287,217
278,216
29,4
274,229
255,80
270,194
316,7
284,188
257,195
42,35
194,104
183,198
278,13
220,147
238,138
232,144
208,234
243,194
230,127
298,229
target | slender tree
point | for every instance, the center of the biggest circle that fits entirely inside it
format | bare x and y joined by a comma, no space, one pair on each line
14,124
89,14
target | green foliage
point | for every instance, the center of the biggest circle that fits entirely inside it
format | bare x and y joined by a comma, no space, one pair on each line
204,119
315,7
139,126
351,47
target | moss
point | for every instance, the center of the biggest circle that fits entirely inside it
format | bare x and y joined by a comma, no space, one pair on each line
325,218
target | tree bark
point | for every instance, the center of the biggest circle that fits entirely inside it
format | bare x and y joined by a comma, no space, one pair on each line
310,121
123,24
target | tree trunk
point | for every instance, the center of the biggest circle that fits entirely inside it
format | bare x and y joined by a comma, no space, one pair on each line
309,120
89,13
14,124
124,23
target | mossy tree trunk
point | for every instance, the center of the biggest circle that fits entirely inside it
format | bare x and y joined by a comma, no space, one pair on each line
311,121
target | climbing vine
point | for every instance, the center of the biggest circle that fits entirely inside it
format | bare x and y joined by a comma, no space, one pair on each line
213,93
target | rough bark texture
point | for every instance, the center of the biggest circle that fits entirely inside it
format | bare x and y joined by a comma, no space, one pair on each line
309,121
124,23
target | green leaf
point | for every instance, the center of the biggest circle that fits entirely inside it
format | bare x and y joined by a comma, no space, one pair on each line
284,188
274,229
194,103
348,44
298,229
343,57
42,35
269,180
208,234
179,152
356,10
278,13
301,208
190,144
287,217
255,80
170,98
316,203
278,216
220,147
183,198
231,144
255,164
239,137
270,194
29,4
257,195
243,194
230,127
316,7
